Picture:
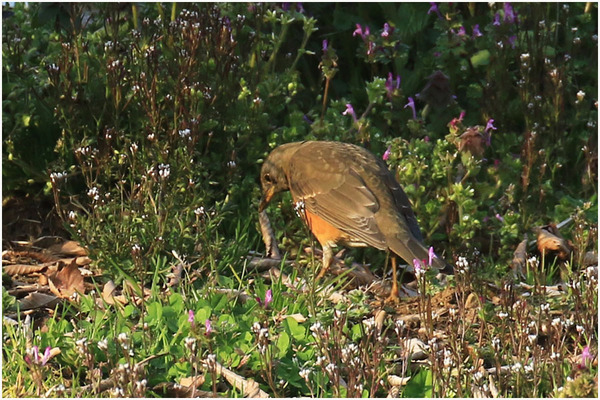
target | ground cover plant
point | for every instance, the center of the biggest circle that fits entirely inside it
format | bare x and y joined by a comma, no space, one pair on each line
145,126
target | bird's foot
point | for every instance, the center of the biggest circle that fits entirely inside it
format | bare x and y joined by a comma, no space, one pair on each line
393,298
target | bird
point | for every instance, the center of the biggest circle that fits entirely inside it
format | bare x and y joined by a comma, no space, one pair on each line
346,196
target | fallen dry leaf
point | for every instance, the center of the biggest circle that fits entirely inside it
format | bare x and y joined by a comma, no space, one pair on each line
297,317
23,269
109,294
67,281
395,380
192,381
70,247
38,300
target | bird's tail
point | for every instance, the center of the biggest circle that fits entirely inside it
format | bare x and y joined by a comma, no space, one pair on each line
413,249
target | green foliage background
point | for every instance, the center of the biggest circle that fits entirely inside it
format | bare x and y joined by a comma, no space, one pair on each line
147,123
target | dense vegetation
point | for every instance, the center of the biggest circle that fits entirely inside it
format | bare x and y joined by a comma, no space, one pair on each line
147,125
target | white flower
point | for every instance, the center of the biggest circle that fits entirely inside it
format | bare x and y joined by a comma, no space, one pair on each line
199,211
580,96
330,368
184,133
164,170
103,344
304,373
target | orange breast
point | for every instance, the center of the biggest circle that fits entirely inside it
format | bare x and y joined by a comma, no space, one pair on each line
323,230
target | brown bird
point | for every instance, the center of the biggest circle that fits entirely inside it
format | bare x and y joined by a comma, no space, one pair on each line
346,195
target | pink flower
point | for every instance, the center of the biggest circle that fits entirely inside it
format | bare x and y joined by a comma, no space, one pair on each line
461,31
191,316
46,355
370,48
208,327
350,110
586,356
362,33
387,30
268,297
387,153
431,255
417,265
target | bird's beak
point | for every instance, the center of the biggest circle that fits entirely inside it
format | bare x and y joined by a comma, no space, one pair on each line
265,199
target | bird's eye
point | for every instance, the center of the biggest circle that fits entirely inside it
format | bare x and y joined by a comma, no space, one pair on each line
267,178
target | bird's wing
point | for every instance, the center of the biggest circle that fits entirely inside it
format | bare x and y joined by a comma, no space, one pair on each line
403,206
334,190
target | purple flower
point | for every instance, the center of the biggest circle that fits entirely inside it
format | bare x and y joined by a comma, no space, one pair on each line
476,31
411,104
191,317
510,16
300,8
268,297
496,19
387,153
306,119
350,110
499,217
461,31
387,30
512,40
389,84
437,54
434,8
488,134
426,139
325,45
431,255
208,327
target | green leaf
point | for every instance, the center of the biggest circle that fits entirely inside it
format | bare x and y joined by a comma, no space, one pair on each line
283,344
420,386
295,329
480,58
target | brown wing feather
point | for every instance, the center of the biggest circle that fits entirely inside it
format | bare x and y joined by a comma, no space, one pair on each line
333,190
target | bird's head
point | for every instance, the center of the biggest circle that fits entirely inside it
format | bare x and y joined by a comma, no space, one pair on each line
273,175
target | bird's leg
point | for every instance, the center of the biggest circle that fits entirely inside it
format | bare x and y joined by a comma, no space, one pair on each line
327,260
393,297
